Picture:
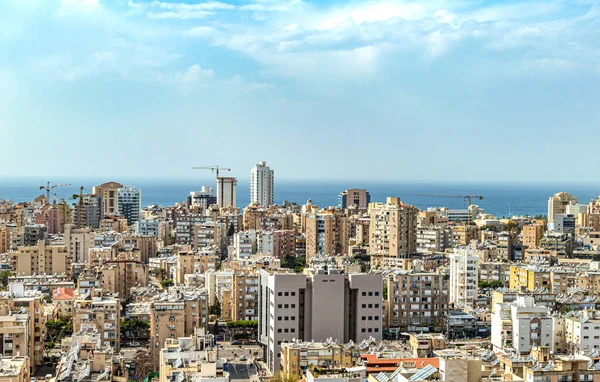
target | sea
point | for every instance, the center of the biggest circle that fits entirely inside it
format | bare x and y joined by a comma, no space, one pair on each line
499,199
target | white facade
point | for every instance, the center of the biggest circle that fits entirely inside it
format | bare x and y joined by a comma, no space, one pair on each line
464,278
148,227
202,198
583,333
262,184
265,243
130,203
318,307
226,191
522,324
244,243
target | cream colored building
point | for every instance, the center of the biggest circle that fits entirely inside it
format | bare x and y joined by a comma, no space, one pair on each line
110,198
244,296
326,234
392,229
532,234
41,259
557,204
100,311
14,369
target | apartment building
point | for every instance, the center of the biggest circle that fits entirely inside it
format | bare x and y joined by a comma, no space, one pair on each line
123,272
298,356
176,314
100,311
41,258
520,325
464,277
204,198
532,235
392,229
557,204
244,243
15,369
244,295
148,227
531,277
262,184
110,198
191,358
129,203
195,262
14,332
284,243
317,307
113,224
326,234
30,303
417,300
79,241
432,240
90,214
354,197
495,271
208,234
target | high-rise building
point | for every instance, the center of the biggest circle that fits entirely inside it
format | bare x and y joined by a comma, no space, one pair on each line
130,203
344,307
326,234
226,191
392,229
262,184
354,196
92,211
557,204
464,277
109,193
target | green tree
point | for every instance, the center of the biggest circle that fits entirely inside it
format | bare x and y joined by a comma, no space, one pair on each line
133,325
280,377
171,240
490,284
58,328
231,230
385,292
4,275
167,283
215,308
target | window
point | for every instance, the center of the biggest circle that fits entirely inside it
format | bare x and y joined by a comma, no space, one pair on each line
279,294
376,330
370,293
287,318
279,330
293,318
363,318
370,305
293,330
293,306
293,293
364,293
279,318
376,293
370,318
376,318
286,306
364,306
286,330
286,294
377,305
370,330
278,305
363,330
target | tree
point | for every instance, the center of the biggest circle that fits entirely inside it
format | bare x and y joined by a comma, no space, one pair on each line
490,284
4,275
280,377
167,283
49,346
385,292
231,230
215,308
171,240
58,329
133,325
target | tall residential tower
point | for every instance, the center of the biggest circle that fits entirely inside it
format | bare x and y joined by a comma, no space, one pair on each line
262,184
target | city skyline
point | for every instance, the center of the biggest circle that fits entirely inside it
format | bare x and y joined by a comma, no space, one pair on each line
431,90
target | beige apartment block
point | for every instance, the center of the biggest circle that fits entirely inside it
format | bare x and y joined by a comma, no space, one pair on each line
532,234
79,241
113,224
110,198
392,229
15,369
557,204
41,259
326,234
100,311
299,355
284,243
176,315
416,300
31,303
244,296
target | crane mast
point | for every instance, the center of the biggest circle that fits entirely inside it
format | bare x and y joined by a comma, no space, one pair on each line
468,197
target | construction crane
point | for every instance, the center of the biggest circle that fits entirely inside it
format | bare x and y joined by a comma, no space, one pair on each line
214,168
468,197
48,187
80,196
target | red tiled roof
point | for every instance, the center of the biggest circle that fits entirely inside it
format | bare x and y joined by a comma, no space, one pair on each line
375,364
63,293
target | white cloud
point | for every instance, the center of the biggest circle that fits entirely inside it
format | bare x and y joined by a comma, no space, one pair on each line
181,11
195,74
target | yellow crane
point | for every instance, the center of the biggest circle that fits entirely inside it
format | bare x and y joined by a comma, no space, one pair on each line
214,168
468,197
80,196
48,187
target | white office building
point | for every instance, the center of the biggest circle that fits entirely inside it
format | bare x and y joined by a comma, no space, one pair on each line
129,203
262,184
464,277
226,191
314,308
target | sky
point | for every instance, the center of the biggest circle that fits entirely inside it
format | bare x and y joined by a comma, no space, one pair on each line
428,90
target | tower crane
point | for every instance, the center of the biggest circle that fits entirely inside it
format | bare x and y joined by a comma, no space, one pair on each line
214,168
48,187
81,216
468,197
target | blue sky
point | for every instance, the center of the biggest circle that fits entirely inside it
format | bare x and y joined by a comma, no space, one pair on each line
388,90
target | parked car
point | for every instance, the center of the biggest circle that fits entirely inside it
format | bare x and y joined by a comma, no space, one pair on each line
236,343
